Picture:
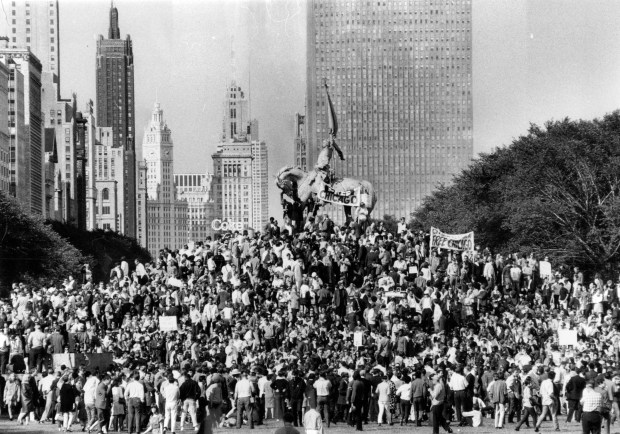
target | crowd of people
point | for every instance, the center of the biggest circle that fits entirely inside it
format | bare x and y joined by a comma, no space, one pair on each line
315,326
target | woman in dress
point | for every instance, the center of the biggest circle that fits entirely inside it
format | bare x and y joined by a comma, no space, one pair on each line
12,391
118,406
269,400
27,396
66,396
16,355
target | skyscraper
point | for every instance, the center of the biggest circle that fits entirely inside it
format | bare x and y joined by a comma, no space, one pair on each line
195,189
115,108
166,215
141,209
240,180
399,75
5,148
90,140
34,25
301,153
25,128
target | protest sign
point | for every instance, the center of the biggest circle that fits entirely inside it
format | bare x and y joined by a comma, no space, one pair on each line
168,324
544,269
358,339
92,361
173,281
567,337
347,198
440,240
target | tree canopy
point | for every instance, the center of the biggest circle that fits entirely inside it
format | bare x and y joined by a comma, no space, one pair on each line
35,251
555,191
30,250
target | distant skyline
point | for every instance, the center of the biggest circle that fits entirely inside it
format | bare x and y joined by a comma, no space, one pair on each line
533,61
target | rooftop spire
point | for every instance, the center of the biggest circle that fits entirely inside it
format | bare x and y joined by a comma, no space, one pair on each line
114,32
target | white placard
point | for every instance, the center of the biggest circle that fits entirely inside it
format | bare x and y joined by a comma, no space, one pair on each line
358,339
567,337
173,281
168,323
545,269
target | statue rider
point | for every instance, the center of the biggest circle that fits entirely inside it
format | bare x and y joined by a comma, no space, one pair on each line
322,171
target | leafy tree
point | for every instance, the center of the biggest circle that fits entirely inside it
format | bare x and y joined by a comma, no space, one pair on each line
555,191
105,248
30,251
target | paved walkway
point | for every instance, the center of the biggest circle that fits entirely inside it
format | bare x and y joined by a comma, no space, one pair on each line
11,427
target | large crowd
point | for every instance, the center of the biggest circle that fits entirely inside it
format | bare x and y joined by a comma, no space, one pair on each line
316,326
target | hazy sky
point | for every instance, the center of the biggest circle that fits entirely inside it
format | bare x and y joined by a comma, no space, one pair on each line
534,60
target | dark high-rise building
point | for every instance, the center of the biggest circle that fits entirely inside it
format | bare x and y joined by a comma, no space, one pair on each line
399,75
300,142
115,108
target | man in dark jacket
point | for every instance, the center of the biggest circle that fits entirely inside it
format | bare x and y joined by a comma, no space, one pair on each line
189,392
356,398
574,390
297,388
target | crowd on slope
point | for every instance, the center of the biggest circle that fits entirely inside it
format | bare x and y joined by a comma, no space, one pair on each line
317,326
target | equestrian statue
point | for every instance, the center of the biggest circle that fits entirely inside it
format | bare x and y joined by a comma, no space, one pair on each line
311,190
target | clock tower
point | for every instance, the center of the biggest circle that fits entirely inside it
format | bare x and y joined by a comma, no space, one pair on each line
158,153
166,216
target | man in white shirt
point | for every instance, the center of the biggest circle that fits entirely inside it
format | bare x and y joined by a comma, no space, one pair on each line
90,391
4,348
458,383
323,387
313,422
244,398
45,389
134,396
36,343
383,399
549,402
171,393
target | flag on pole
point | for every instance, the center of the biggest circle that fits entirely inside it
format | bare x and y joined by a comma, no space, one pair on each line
332,122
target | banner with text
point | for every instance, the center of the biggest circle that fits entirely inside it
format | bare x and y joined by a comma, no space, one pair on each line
439,240
91,361
346,198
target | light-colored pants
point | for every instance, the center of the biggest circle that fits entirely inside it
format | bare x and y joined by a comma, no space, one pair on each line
50,400
500,412
548,409
90,414
189,405
171,410
384,407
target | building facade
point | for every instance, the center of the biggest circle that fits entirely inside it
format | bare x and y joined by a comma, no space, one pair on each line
141,209
195,189
301,153
115,109
399,75
166,215
90,140
34,25
260,185
25,128
5,148
51,161
236,114
109,179
241,183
